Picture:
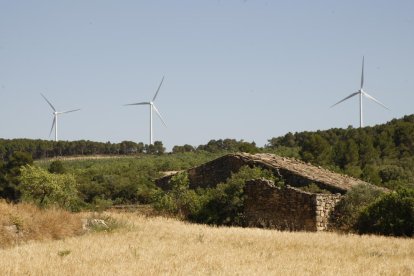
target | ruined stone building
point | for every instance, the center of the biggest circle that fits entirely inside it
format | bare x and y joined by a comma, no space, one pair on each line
287,208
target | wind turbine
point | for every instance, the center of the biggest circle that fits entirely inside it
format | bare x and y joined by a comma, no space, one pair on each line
361,93
152,107
55,117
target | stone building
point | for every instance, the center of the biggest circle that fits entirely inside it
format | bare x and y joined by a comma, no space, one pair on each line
287,208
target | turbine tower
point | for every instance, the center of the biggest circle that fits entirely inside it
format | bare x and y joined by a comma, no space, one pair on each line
55,117
151,108
361,93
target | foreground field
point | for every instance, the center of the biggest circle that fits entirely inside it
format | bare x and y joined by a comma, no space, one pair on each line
154,246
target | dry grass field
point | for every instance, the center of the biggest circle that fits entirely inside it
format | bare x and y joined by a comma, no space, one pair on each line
160,246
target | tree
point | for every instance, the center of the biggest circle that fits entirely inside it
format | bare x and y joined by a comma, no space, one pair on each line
316,150
181,149
368,155
46,189
392,215
57,167
156,148
248,147
9,175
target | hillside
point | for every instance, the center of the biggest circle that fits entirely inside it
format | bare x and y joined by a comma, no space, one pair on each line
383,154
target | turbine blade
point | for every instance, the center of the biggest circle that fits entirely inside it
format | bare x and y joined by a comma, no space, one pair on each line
51,105
142,103
375,100
53,125
158,90
362,75
159,114
350,96
63,112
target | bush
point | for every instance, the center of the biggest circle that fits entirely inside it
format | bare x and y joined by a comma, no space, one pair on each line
222,205
313,188
57,167
348,210
391,215
180,200
46,189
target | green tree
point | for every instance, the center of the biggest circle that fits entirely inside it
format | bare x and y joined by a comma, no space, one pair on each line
391,215
179,200
182,149
156,148
248,147
348,210
9,175
368,155
316,150
46,189
57,167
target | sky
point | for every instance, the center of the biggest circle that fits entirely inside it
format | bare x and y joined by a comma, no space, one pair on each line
240,69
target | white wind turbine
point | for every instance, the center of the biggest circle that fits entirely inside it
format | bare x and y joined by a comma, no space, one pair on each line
55,117
361,93
152,107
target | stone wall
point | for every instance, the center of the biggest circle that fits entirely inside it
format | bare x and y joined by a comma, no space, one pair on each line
287,208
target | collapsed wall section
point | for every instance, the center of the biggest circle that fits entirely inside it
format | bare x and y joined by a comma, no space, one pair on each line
287,208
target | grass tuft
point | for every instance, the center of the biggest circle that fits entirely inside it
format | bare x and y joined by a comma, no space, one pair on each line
63,253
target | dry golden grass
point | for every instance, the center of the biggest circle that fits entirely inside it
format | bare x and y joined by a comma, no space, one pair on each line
153,246
23,222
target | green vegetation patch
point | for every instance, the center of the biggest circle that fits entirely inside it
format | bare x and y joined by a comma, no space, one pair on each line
221,205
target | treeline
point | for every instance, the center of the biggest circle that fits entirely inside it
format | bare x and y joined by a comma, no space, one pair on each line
382,154
45,149
221,145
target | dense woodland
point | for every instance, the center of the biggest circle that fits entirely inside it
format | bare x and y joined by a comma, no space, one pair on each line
382,155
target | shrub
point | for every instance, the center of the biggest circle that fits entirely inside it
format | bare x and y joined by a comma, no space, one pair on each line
180,200
348,210
45,189
224,204
112,187
313,188
391,215
57,167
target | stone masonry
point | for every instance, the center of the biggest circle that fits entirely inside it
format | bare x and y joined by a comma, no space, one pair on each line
287,208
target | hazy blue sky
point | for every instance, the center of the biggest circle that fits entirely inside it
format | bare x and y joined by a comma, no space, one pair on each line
243,69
